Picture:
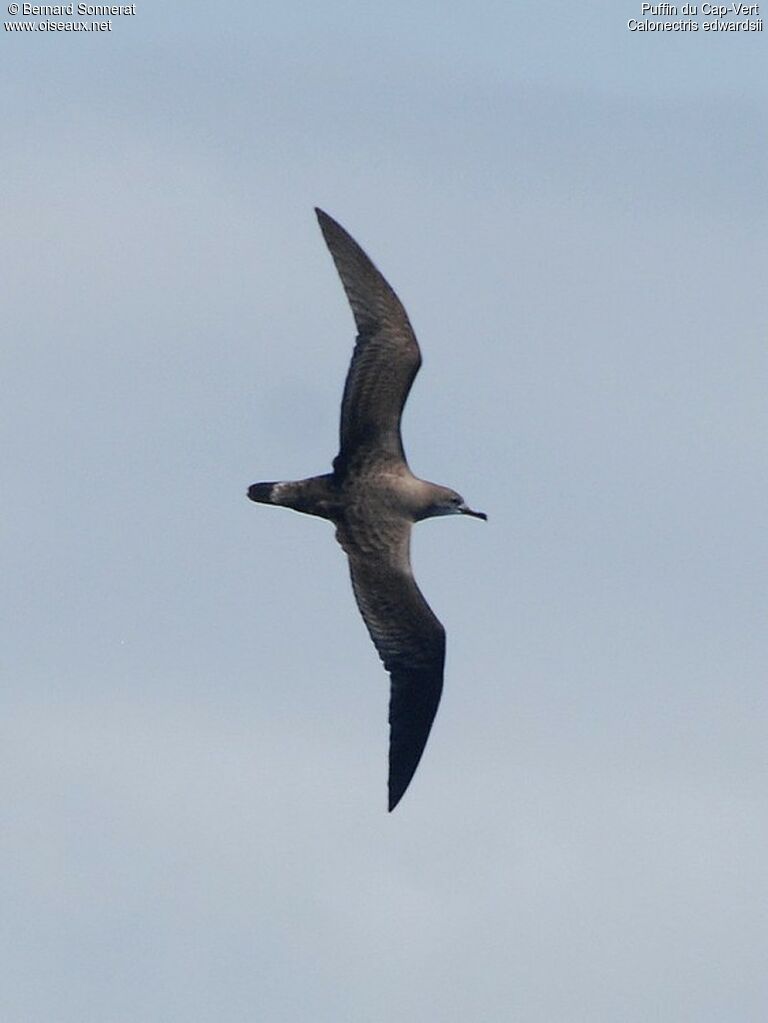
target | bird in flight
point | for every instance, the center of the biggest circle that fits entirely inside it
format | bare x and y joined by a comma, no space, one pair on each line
373,499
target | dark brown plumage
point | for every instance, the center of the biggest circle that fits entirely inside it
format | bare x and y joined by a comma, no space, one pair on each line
374,499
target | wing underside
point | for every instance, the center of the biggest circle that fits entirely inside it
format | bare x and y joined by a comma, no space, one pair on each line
411,643
386,356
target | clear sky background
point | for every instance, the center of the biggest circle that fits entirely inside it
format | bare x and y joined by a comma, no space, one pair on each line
193,719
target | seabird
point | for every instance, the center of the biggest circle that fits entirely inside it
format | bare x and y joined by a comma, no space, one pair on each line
373,499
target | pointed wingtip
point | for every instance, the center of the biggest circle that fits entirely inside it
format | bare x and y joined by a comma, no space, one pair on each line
323,217
399,779
328,226
398,786
331,228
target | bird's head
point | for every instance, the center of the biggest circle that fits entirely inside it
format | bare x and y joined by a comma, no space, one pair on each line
447,502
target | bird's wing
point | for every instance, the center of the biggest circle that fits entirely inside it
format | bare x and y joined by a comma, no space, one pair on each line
386,357
408,636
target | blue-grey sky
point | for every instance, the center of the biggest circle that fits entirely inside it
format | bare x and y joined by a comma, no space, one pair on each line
193,720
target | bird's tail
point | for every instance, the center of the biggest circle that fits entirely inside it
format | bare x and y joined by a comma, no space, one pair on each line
315,496
262,492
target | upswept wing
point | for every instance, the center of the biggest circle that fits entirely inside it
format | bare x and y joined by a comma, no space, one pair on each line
386,356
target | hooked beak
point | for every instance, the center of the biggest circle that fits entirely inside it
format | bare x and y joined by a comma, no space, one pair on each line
464,510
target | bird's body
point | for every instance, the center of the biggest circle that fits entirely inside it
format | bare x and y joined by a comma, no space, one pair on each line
373,499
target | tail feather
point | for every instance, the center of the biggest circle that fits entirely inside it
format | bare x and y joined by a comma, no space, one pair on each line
314,496
261,492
